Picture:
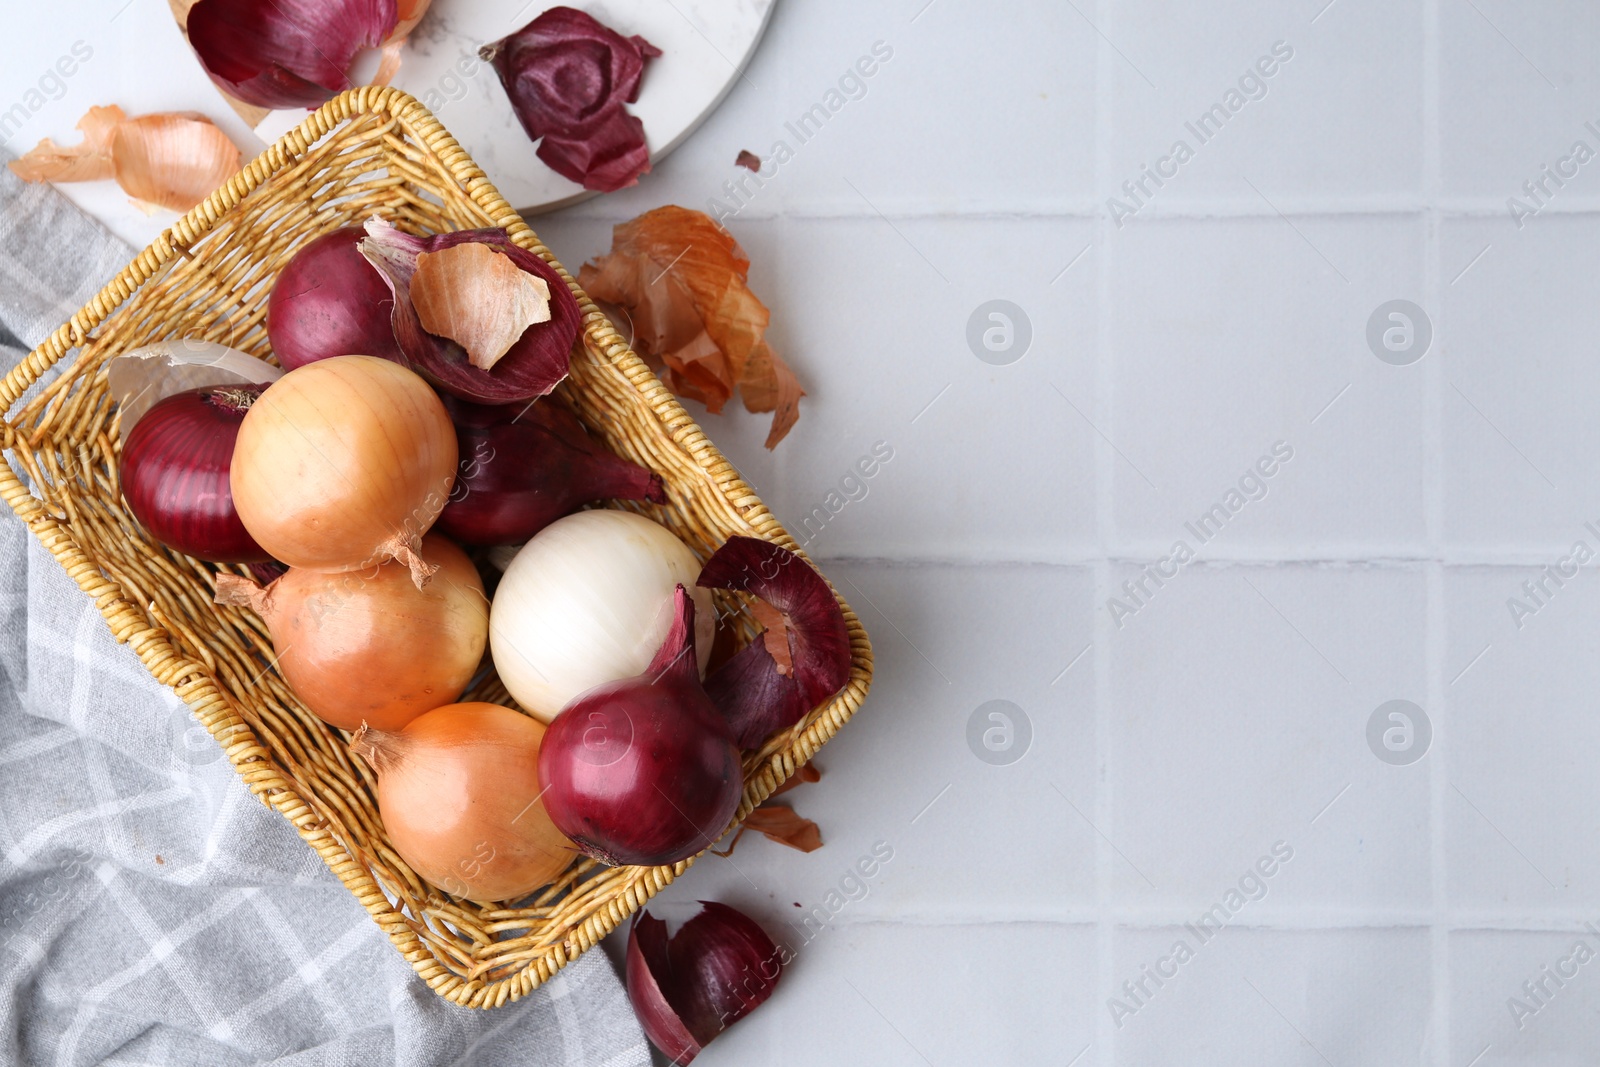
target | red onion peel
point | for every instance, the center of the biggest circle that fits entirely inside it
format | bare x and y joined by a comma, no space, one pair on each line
534,364
287,53
754,690
688,988
569,77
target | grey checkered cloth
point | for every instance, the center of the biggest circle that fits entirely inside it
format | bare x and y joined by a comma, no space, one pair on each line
151,910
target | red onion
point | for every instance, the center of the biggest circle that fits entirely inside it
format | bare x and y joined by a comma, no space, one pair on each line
329,301
568,77
532,367
517,475
286,53
801,660
174,473
644,771
687,989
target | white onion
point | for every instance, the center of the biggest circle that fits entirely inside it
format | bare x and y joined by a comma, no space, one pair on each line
586,602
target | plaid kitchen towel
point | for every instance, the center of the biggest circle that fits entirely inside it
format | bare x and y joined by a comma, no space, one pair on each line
151,910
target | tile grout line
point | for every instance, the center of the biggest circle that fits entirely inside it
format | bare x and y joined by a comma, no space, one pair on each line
1105,522
1434,648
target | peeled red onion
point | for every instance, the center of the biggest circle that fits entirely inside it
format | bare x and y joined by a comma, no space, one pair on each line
174,473
344,463
369,647
329,301
458,790
645,770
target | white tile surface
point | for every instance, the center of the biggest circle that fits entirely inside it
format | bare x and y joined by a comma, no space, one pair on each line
1280,997
1231,712
1234,335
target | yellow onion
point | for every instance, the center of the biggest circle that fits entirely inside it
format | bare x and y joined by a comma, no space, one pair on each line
344,463
458,789
369,647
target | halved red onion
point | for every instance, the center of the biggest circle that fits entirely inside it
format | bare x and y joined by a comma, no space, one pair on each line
286,53
532,367
568,77
756,693
687,989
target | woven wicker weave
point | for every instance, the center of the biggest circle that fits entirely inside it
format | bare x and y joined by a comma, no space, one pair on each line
369,150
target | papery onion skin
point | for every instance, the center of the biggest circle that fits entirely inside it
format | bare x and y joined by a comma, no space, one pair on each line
329,301
369,646
526,467
644,771
752,693
344,463
532,367
582,604
172,160
568,77
687,989
286,53
459,793
174,473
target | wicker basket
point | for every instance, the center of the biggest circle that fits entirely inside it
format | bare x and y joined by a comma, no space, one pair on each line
369,150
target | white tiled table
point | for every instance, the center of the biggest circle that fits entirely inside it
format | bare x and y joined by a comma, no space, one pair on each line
1171,747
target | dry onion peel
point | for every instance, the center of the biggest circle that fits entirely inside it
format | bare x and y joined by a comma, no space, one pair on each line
688,988
751,689
477,298
682,279
780,823
169,160
287,53
87,161
534,364
569,78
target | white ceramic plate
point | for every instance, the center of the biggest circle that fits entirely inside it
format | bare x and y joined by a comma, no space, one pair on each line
705,45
